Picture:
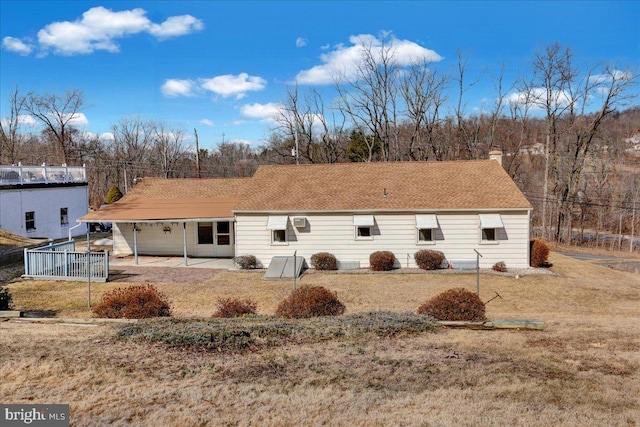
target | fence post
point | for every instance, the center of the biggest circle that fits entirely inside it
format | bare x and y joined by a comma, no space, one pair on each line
26,262
66,263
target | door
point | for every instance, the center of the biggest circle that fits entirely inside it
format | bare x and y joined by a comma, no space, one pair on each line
215,239
224,239
204,245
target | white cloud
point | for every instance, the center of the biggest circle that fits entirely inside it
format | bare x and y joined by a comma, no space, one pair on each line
107,136
265,112
176,26
76,119
99,28
27,120
241,141
343,62
206,122
239,122
536,98
238,85
609,76
178,87
301,42
13,44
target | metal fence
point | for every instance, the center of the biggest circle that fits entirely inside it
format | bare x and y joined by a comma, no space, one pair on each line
61,261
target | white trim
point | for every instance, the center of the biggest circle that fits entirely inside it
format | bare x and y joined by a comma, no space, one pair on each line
377,211
355,232
425,242
426,221
490,221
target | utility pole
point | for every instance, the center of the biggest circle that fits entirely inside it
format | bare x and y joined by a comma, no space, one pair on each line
195,133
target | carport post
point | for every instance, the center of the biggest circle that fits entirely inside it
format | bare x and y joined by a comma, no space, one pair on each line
135,243
184,244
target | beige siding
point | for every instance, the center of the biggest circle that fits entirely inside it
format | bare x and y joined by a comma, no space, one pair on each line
152,240
457,237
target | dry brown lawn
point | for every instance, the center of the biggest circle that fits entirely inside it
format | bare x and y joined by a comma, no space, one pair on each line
583,370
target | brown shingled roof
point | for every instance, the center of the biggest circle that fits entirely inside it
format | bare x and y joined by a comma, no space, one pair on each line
409,186
481,184
158,198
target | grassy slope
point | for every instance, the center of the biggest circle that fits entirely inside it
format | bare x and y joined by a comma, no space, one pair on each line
583,370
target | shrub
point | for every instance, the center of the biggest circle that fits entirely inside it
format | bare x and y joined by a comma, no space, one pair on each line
455,304
382,261
539,253
324,261
113,195
500,266
310,301
5,299
134,302
429,260
247,262
234,307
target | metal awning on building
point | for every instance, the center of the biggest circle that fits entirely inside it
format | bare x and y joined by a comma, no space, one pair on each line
490,221
277,222
426,221
363,220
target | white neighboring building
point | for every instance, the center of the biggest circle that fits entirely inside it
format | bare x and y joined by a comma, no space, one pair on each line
43,201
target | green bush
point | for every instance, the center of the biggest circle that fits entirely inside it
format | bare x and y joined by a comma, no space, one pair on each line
5,299
539,253
429,260
324,261
455,304
247,262
133,302
113,195
310,301
382,261
234,307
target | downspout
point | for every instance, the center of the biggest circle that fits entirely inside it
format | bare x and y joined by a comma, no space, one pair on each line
75,226
135,243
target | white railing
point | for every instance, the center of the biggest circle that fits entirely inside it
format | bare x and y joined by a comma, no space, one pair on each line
11,175
61,261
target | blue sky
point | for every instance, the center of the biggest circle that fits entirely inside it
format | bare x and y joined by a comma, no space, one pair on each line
222,66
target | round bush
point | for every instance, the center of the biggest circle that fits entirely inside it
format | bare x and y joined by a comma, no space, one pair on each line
324,261
234,307
133,302
310,301
5,299
500,266
382,261
455,304
429,260
247,262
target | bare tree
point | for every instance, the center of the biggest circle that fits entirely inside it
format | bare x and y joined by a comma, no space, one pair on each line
10,136
133,138
167,149
56,113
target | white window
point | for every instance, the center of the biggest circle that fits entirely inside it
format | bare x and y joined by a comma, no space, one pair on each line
363,227
278,226
489,225
426,224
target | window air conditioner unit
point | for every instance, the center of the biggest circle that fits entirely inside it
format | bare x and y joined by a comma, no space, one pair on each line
299,222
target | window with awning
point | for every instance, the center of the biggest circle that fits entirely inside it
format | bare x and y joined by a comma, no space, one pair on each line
363,227
427,221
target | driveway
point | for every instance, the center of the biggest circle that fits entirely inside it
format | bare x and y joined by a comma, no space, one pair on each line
151,269
619,263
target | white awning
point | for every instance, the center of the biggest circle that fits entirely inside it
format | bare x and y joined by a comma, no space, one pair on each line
277,222
490,221
426,221
363,220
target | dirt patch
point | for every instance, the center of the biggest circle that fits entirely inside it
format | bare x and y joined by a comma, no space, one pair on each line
162,274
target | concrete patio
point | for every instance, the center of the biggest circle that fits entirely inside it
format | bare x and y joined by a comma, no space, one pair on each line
175,262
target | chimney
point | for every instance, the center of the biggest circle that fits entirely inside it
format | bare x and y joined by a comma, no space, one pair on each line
496,154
